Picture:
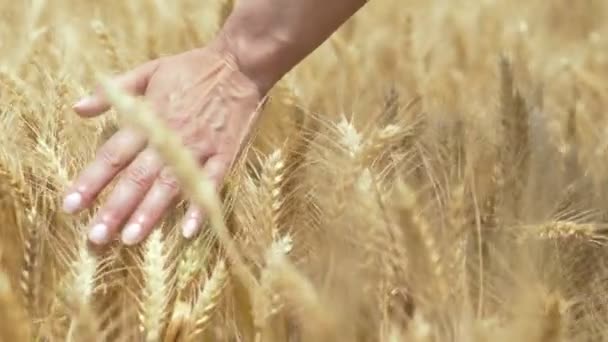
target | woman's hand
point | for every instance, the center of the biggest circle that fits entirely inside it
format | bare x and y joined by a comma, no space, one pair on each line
206,99
210,97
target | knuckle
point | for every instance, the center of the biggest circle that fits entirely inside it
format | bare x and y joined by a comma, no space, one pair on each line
110,157
217,168
140,175
168,180
204,151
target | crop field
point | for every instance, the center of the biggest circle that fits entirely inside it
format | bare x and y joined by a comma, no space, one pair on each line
435,171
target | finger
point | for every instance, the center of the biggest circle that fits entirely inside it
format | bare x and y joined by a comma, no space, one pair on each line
163,193
192,222
133,82
131,189
111,158
215,168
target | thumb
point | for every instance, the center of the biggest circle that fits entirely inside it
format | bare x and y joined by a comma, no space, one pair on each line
133,82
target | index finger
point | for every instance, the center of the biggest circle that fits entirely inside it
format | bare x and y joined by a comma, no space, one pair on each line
111,158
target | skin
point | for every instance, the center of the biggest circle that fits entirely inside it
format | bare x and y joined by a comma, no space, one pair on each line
210,97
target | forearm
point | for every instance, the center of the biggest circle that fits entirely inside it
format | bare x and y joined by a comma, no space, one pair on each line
269,37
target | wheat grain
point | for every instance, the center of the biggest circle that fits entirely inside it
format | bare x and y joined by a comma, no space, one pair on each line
273,179
84,270
557,230
155,294
106,41
15,324
411,219
207,300
192,261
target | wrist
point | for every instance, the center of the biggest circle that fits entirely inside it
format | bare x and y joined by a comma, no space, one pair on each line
262,53
267,38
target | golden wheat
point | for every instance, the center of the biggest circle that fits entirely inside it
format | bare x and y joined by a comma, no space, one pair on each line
436,171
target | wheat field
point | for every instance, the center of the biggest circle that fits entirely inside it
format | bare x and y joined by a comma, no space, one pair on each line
436,171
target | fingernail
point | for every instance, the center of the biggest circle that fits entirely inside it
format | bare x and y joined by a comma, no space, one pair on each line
131,234
99,234
87,101
72,202
190,228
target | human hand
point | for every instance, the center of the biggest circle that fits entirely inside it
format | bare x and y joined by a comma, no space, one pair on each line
204,97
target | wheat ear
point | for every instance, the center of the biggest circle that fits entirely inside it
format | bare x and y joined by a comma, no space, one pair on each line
59,108
155,294
84,270
110,48
515,133
208,299
273,178
28,279
411,220
562,230
190,263
14,319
